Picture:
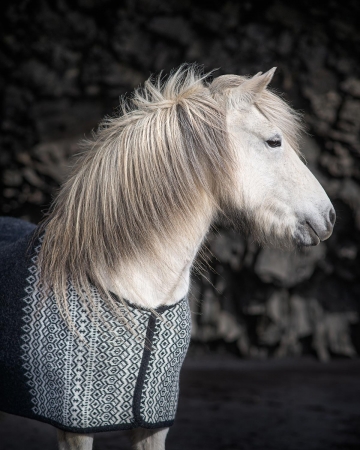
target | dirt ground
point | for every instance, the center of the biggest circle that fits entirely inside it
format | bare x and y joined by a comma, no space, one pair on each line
231,404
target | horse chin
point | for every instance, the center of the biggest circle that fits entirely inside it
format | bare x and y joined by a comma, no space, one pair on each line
306,236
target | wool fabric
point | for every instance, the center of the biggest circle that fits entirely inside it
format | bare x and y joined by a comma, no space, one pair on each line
102,377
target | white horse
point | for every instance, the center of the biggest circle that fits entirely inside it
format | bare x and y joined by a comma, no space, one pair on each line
140,202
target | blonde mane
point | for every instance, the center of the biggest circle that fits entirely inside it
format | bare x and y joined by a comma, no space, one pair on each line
143,176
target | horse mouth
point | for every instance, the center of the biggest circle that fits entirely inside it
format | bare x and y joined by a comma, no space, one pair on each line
306,236
315,237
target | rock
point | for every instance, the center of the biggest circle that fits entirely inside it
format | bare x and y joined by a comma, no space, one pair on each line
348,251
319,341
243,343
287,268
134,45
270,335
32,177
12,178
350,113
300,317
122,75
55,120
285,43
321,81
41,77
210,308
341,164
350,194
227,327
285,14
347,138
351,86
337,329
343,64
325,105
228,247
310,149
65,66
295,328
277,307
175,28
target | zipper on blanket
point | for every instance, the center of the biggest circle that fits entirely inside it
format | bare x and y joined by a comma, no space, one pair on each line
150,331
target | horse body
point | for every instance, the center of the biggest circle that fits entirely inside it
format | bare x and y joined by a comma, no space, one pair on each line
134,213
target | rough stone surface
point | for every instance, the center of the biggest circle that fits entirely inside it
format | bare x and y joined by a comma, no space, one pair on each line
63,67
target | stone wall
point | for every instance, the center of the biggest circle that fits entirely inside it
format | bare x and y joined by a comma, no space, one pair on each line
64,65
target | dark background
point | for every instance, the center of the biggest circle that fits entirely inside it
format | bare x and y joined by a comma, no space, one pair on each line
64,65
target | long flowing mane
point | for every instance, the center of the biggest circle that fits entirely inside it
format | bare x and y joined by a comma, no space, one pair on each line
143,175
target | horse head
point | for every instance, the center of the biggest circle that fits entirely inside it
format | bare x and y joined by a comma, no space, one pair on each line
281,200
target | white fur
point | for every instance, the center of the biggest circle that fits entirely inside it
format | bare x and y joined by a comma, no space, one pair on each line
274,183
156,285
74,441
273,186
141,439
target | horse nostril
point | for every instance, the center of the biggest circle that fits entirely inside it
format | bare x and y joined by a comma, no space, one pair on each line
332,216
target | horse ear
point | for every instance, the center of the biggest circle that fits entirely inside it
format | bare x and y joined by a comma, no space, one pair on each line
249,90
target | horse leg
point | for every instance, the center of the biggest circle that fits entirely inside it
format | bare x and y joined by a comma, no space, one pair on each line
74,441
143,439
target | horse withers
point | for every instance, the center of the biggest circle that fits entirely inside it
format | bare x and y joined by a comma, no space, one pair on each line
94,301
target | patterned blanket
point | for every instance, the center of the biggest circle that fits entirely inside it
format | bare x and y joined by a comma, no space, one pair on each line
109,379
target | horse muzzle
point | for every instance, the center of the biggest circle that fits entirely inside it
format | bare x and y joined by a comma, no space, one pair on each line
312,230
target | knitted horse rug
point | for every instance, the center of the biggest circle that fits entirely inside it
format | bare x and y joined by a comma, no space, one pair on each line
104,377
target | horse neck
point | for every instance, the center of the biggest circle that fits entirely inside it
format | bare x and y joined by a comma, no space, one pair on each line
163,280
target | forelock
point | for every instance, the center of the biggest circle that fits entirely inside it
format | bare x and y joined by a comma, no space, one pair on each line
271,105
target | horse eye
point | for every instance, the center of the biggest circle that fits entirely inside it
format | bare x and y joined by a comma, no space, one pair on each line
273,143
